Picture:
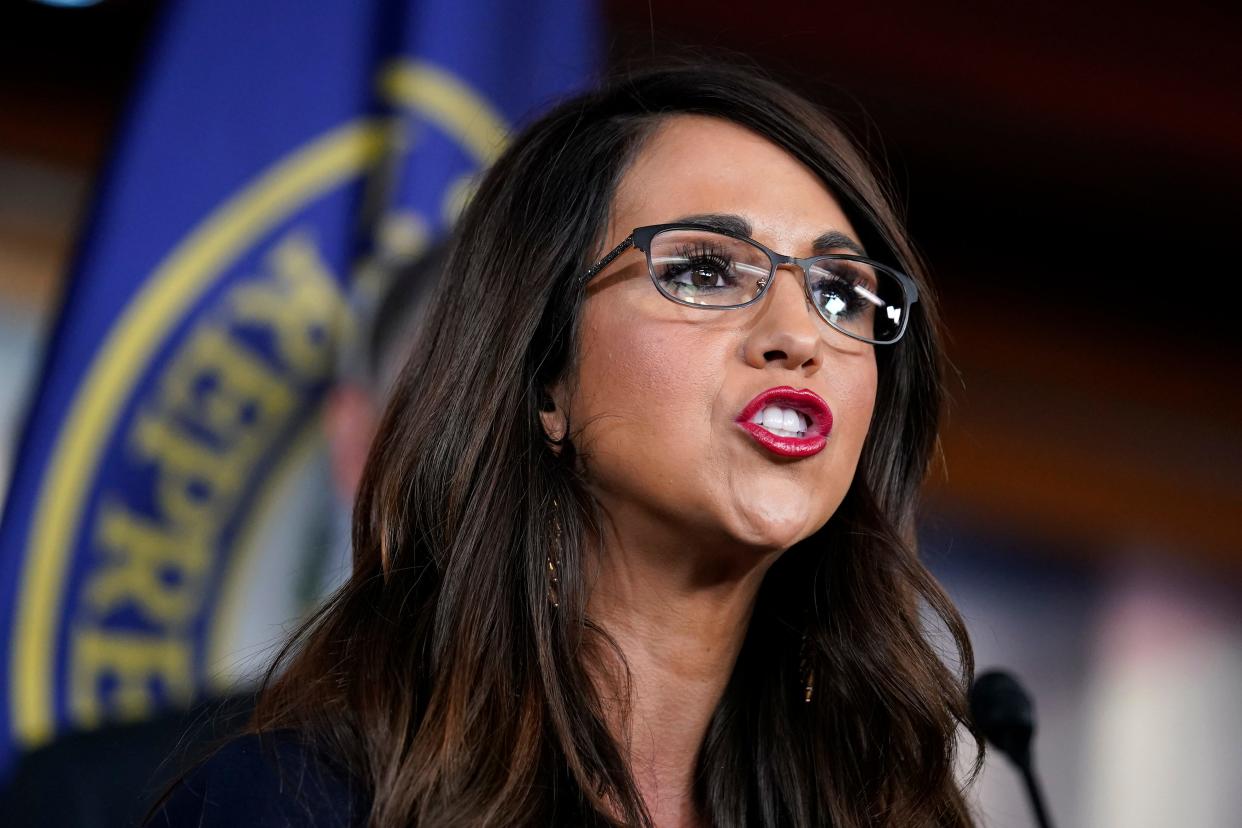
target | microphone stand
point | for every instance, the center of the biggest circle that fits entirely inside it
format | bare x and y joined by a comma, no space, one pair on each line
1003,712
1033,790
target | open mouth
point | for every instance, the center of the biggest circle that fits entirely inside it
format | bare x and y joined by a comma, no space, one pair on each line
783,422
787,421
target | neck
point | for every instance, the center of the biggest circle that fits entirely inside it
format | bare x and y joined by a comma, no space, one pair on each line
680,635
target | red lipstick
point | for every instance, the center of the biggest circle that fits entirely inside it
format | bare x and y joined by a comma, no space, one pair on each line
816,414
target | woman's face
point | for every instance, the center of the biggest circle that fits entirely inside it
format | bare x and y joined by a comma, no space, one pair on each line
655,402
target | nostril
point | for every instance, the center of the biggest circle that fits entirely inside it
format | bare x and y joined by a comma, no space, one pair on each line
772,356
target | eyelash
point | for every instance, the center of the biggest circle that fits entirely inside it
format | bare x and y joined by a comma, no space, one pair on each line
705,254
696,257
843,287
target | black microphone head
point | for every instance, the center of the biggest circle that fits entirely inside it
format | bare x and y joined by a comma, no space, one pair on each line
1003,712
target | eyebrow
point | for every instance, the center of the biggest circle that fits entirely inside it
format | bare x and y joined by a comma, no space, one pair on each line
738,226
835,238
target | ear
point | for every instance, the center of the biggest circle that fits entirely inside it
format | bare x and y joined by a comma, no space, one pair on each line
552,415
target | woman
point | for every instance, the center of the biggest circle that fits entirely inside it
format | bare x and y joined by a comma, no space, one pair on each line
634,543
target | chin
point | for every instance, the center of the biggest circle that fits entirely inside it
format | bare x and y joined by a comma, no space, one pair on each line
774,529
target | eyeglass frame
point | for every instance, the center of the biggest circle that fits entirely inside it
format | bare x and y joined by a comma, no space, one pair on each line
641,237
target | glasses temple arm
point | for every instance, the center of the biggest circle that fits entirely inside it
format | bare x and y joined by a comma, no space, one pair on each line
607,260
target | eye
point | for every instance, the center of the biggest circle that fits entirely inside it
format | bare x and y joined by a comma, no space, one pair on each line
835,297
845,291
697,270
701,274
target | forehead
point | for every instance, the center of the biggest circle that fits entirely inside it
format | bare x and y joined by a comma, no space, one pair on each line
695,164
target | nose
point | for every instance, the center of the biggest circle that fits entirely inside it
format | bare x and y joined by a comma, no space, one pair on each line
784,331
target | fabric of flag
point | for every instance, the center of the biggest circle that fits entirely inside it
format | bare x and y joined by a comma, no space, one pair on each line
268,149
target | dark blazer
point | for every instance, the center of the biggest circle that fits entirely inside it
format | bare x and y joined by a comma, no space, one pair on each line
110,776
273,781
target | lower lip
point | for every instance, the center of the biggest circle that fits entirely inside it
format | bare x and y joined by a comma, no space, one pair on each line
786,446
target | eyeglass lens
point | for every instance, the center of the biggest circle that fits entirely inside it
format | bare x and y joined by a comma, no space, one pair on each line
699,267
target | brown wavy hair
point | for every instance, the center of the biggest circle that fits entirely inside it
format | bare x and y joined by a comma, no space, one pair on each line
440,674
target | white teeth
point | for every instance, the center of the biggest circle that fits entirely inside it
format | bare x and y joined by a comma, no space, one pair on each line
791,420
773,418
783,422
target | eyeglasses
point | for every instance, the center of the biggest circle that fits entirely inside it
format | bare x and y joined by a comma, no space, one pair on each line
705,267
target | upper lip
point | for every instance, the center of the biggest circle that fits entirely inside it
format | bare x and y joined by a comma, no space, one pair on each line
803,400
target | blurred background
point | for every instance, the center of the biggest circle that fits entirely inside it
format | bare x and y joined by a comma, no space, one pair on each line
1071,174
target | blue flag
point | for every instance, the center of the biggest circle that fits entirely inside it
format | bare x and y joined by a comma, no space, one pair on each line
268,149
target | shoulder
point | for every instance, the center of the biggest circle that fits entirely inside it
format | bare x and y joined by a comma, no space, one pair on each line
270,781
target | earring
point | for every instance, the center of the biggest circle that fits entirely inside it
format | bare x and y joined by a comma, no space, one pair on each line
554,557
806,673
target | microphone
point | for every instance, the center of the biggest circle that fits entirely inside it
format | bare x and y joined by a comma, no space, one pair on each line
1002,710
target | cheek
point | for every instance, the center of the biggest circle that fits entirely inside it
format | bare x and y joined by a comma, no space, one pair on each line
645,391
623,361
853,399
857,389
